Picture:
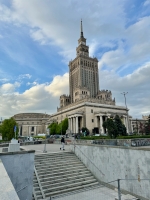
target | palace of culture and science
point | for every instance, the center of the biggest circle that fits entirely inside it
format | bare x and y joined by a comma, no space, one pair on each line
85,106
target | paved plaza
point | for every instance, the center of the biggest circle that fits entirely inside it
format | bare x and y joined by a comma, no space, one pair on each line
50,148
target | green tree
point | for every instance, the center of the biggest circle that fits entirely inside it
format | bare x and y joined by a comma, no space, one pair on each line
7,129
111,128
115,127
59,128
84,129
121,129
147,126
53,128
64,125
0,129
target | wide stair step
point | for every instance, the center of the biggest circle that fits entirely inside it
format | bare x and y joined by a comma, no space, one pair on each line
59,173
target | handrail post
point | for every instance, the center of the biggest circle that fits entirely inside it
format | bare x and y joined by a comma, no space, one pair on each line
119,192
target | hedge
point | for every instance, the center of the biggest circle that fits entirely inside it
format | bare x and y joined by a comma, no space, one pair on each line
94,137
119,137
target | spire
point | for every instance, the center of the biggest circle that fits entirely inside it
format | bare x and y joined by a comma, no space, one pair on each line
81,30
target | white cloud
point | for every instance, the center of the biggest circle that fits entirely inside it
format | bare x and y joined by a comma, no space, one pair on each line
92,47
32,84
50,23
24,76
137,86
3,80
9,88
39,98
59,85
147,2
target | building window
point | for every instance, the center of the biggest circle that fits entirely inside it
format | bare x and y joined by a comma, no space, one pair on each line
32,129
91,110
92,120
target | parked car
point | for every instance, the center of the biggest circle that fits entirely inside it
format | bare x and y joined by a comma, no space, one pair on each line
57,136
37,141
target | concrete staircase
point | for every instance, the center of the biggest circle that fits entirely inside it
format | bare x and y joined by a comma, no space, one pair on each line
59,173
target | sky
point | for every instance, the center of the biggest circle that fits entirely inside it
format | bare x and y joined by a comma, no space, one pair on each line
38,39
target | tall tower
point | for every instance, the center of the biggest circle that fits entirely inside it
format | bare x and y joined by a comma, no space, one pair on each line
83,72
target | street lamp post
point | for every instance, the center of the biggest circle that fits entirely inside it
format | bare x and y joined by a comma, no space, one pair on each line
124,93
61,121
44,151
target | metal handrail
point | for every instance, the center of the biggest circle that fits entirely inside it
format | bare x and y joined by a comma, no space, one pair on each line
22,188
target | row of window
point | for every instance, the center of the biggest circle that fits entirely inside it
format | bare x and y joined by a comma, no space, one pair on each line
29,123
84,63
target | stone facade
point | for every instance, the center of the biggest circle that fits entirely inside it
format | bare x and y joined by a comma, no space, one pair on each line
31,123
138,125
88,114
86,105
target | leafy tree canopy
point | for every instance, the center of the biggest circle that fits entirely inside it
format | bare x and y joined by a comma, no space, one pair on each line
85,130
121,129
59,128
115,127
7,129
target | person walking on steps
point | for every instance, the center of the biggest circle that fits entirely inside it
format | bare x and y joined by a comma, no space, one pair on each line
62,142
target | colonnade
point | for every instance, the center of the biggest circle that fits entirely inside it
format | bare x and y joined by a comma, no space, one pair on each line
27,130
101,118
73,122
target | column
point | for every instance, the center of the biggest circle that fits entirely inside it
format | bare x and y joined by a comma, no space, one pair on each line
71,124
124,120
127,127
29,131
107,117
19,129
35,130
76,124
101,127
131,126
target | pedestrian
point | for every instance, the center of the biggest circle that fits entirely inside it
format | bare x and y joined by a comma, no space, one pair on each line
62,142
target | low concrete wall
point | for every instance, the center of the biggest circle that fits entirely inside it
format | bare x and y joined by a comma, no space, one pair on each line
7,190
110,163
105,142
20,168
118,142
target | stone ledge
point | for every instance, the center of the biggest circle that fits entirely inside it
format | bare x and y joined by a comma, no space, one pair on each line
17,152
111,146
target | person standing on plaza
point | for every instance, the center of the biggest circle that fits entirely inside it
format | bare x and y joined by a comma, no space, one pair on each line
62,142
